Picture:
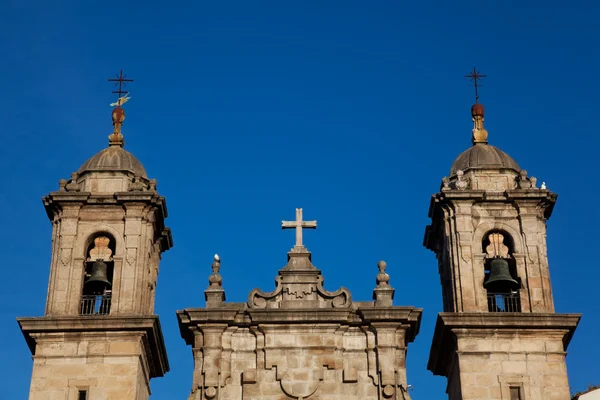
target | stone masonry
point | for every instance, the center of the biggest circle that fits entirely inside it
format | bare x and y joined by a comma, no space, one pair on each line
498,337
507,345
299,341
106,345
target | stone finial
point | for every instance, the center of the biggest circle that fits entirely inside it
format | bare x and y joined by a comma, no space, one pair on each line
137,184
523,181
72,185
62,185
215,280
299,225
461,183
382,278
445,184
215,295
152,185
383,294
533,181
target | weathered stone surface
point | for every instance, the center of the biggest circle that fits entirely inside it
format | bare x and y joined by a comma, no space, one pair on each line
489,220
462,220
495,351
103,340
299,342
110,357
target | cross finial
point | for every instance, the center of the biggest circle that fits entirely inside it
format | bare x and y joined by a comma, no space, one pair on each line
476,76
118,114
120,80
298,224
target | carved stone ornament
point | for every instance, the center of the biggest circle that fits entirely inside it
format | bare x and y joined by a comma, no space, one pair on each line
101,251
215,280
299,292
72,185
137,185
300,383
496,248
65,256
461,183
131,255
383,278
522,181
445,183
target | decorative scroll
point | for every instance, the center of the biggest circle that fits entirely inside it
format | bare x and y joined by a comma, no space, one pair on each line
300,291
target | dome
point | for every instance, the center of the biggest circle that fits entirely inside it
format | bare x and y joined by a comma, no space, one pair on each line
114,158
483,156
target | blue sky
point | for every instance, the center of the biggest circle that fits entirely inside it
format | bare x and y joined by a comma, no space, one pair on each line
245,110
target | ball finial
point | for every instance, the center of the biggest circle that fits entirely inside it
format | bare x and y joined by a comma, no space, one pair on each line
477,110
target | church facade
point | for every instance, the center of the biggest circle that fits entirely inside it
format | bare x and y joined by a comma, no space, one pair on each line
498,336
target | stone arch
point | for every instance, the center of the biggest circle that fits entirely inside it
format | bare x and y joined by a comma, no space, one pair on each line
89,242
88,233
485,227
95,299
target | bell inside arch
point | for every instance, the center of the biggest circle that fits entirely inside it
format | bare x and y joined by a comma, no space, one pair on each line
98,280
500,280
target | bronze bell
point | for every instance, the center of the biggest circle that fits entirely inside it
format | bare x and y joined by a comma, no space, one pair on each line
499,280
98,280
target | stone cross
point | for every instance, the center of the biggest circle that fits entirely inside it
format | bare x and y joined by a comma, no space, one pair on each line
298,224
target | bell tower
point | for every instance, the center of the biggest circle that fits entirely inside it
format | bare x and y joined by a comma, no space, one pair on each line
99,337
498,337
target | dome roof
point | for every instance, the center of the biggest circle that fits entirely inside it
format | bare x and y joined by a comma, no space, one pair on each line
114,158
483,156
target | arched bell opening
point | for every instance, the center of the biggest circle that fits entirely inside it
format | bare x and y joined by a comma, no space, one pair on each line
98,275
501,280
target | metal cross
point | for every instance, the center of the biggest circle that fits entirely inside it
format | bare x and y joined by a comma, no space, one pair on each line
476,76
120,80
298,224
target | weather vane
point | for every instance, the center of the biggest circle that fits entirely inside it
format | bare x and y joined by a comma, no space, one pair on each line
121,81
476,76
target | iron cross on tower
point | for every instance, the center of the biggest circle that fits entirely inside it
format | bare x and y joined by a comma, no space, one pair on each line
298,224
120,80
476,76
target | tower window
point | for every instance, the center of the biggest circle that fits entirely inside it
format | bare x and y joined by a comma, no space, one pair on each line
515,393
96,296
501,282
82,395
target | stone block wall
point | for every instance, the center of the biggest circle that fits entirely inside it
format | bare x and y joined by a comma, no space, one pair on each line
483,355
490,364
328,362
299,341
109,366
461,221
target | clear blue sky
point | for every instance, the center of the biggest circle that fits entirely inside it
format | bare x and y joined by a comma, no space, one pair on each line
244,110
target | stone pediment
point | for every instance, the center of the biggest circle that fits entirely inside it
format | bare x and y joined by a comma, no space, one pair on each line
299,285
300,341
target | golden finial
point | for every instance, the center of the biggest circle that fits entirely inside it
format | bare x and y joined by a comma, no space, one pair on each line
477,111
118,114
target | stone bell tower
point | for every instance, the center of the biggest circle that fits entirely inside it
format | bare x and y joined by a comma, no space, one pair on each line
498,337
99,337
